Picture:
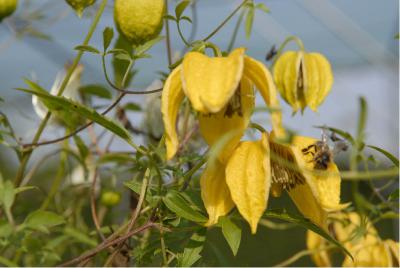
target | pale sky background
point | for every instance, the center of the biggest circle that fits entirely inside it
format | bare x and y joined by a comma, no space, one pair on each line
357,36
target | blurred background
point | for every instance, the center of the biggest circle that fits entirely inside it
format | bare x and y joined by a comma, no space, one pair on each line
358,37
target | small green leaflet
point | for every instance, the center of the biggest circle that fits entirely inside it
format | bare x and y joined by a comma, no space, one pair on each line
180,8
178,204
96,90
89,49
41,220
191,253
61,103
232,233
108,35
281,214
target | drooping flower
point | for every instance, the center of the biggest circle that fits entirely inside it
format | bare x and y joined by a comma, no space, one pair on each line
220,89
303,79
362,240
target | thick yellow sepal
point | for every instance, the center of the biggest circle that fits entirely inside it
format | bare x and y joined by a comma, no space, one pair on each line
172,96
262,79
214,192
248,175
209,83
233,119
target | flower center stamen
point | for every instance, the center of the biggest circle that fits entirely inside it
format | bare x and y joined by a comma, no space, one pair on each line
234,105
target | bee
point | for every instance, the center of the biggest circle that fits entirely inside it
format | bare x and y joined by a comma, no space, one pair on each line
321,151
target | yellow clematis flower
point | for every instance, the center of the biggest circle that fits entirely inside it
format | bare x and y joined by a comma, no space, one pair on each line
362,240
220,89
257,167
303,79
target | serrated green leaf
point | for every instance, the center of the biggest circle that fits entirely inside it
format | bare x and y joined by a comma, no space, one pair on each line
96,90
180,8
89,49
306,223
108,35
131,106
191,253
249,22
178,204
61,103
391,157
262,7
232,233
42,220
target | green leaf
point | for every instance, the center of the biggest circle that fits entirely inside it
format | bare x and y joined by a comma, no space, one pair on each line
7,262
249,22
262,7
179,205
391,157
232,233
394,195
180,8
120,65
131,106
115,157
82,148
146,46
191,253
80,236
41,220
186,18
306,223
96,90
123,57
169,17
136,187
89,49
61,103
108,35
7,195
24,188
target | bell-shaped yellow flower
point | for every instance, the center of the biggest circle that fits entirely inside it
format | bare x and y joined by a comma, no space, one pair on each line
220,89
362,240
303,79
256,167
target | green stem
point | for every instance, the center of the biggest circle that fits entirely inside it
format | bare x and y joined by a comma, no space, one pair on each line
26,155
284,44
181,35
59,177
168,38
258,127
235,31
216,50
225,21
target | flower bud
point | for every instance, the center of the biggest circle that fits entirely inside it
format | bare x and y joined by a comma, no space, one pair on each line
7,7
139,21
303,79
80,5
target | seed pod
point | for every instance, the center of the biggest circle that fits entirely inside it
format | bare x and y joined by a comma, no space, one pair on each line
80,5
7,7
139,20
303,79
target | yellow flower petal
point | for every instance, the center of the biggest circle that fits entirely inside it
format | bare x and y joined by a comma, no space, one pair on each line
209,83
325,80
369,255
315,242
394,248
324,184
261,77
308,205
234,118
214,192
248,175
171,98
